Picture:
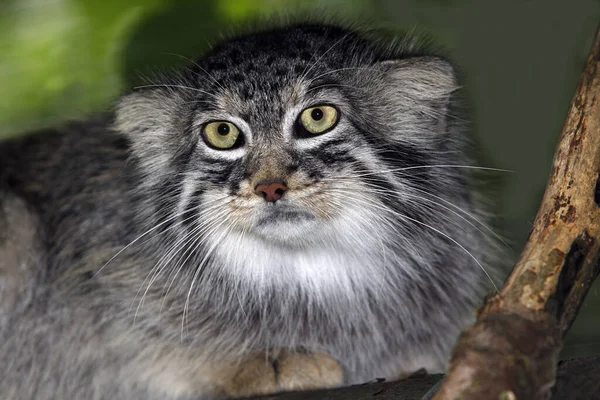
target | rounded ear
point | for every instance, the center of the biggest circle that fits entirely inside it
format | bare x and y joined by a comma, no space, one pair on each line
423,78
141,115
421,87
150,119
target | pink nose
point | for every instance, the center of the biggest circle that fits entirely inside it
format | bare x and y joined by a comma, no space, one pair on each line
271,191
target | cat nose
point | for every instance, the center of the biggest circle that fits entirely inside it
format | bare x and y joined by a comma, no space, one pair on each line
271,191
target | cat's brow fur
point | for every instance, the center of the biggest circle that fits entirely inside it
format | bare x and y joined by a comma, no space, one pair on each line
150,269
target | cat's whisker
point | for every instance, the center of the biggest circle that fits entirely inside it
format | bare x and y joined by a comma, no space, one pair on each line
155,271
190,247
195,64
463,248
365,222
466,213
486,227
209,207
166,258
379,171
164,261
206,231
311,66
462,214
199,270
382,219
200,230
369,69
237,292
332,85
474,167
155,227
366,201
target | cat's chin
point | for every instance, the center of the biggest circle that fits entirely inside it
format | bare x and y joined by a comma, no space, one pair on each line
286,227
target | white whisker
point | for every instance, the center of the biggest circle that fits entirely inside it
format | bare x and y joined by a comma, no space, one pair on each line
199,270
200,68
366,201
155,227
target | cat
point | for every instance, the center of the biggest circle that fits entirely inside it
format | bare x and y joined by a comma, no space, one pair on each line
294,210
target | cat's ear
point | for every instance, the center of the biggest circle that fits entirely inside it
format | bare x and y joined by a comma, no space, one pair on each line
149,119
421,78
422,87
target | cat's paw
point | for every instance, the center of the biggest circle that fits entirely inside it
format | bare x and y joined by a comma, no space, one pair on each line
302,371
261,374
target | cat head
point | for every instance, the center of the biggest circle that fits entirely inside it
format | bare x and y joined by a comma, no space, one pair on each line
295,136
306,141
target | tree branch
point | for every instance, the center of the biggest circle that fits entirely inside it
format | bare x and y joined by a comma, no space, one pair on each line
512,349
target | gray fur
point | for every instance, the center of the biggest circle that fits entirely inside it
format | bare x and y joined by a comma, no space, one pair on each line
381,275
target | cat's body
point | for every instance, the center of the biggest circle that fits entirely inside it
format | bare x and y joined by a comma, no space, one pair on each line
356,260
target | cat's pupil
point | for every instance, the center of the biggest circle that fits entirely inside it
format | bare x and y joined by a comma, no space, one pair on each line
223,129
317,114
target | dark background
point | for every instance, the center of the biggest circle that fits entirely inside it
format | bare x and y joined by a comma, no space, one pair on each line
64,59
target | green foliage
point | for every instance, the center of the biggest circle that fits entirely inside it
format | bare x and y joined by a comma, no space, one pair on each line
62,59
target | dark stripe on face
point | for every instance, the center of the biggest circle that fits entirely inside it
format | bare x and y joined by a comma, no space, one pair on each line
237,175
218,173
395,156
330,153
403,160
184,154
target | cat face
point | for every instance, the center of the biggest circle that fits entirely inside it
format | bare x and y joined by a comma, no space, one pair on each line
299,138
290,171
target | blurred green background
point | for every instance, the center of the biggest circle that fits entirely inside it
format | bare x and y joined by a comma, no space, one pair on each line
64,59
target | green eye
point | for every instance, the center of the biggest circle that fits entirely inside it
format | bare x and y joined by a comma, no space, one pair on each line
319,119
221,135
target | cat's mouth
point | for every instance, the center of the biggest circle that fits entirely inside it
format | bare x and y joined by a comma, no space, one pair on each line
279,215
283,222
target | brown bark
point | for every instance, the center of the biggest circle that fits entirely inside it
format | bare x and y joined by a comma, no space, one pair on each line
511,351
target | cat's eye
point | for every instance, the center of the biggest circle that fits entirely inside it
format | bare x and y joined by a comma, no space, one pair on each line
221,135
319,119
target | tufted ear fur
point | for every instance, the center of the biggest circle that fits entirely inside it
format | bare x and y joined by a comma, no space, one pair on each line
154,121
421,87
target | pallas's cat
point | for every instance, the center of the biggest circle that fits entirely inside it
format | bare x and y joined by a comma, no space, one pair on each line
293,210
